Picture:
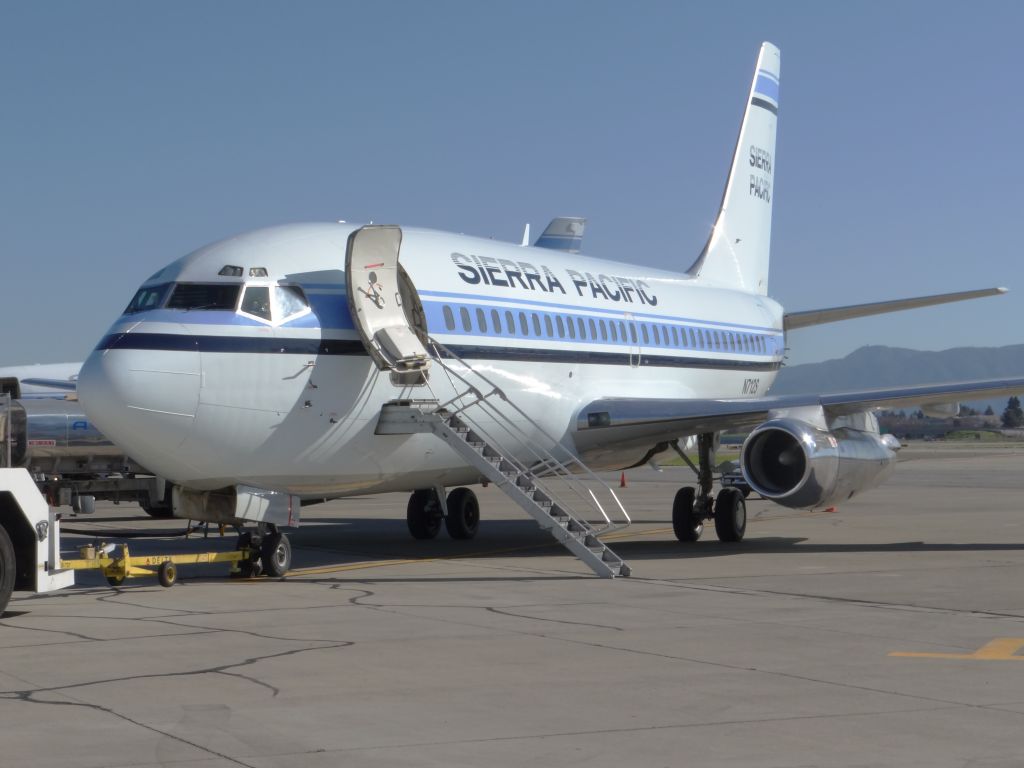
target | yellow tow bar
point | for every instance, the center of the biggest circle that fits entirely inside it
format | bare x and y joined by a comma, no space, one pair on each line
118,564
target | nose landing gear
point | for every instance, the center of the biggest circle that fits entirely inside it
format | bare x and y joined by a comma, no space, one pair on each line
270,552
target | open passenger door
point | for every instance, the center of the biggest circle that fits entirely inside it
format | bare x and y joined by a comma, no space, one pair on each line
374,286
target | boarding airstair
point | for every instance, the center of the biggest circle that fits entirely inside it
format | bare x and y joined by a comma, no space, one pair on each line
480,423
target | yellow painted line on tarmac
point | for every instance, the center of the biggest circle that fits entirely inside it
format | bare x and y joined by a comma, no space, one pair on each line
999,649
325,569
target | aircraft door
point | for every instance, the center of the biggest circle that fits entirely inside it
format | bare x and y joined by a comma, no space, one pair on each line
377,302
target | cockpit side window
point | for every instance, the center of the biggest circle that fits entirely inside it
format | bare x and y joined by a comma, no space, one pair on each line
151,297
205,296
289,300
256,301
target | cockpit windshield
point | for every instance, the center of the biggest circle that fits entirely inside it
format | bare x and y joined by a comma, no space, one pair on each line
269,303
205,296
150,297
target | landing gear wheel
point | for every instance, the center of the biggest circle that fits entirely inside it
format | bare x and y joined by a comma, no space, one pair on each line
276,553
7,567
423,514
730,515
687,526
250,567
115,581
167,574
463,518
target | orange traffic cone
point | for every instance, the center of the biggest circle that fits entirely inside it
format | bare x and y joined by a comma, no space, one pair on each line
622,480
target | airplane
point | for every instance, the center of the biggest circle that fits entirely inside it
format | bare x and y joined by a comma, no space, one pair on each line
41,380
331,359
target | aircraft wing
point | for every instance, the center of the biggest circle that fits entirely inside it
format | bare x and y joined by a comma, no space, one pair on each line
625,421
794,320
65,384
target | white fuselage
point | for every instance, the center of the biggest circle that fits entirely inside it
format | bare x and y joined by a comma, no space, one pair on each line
216,397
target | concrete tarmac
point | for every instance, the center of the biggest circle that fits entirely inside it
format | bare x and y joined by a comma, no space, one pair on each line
887,633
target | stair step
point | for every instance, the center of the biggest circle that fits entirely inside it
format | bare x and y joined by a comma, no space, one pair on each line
578,535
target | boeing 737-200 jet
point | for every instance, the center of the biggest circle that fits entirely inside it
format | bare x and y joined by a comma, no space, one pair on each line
323,360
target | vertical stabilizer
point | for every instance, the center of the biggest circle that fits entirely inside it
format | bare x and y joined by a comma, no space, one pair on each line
736,254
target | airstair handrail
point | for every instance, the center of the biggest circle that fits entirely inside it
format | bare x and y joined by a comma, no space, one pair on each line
545,458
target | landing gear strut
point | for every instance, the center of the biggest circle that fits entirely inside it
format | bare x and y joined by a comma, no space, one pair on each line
692,506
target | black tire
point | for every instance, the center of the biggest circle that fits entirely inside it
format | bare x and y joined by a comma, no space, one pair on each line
115,581
167,574
423,514
159,509
276,555
686,525
463,520
8,567
730,515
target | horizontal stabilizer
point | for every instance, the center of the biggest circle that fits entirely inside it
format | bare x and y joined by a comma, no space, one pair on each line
794,320
563,234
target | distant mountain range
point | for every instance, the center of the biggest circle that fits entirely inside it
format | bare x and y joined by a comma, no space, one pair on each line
879,366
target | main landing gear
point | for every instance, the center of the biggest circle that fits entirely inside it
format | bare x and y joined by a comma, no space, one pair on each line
270,552
692,506
460,512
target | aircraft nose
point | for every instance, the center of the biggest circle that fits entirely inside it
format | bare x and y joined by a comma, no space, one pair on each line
145,400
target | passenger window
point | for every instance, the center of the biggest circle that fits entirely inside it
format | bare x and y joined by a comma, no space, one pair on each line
582,326
593,329
632,332
548,326
510,323
467,324
481,320
256,301
205,296
643,330
449,318
693,340
524,327
289,300
675,336
615,333
561,326
536,324
604,330
572,327
657,336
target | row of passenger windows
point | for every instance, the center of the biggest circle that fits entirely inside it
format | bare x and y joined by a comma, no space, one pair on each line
545,325
268,302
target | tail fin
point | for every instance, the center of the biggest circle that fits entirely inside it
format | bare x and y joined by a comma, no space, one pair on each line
563,234
736,254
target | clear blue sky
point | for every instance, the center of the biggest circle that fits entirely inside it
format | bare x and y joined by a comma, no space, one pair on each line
134,132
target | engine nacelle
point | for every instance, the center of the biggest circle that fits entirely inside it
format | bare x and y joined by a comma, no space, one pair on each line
799,465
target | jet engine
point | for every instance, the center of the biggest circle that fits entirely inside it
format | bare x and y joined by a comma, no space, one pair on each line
797,464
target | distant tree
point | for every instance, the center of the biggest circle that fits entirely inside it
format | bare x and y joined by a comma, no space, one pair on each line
919,414
1013,416
968,411
989,411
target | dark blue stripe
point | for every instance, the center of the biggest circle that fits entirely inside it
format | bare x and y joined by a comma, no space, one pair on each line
188,343
765,104
332,347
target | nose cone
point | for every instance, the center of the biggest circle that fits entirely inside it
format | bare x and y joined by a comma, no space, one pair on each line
144,400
